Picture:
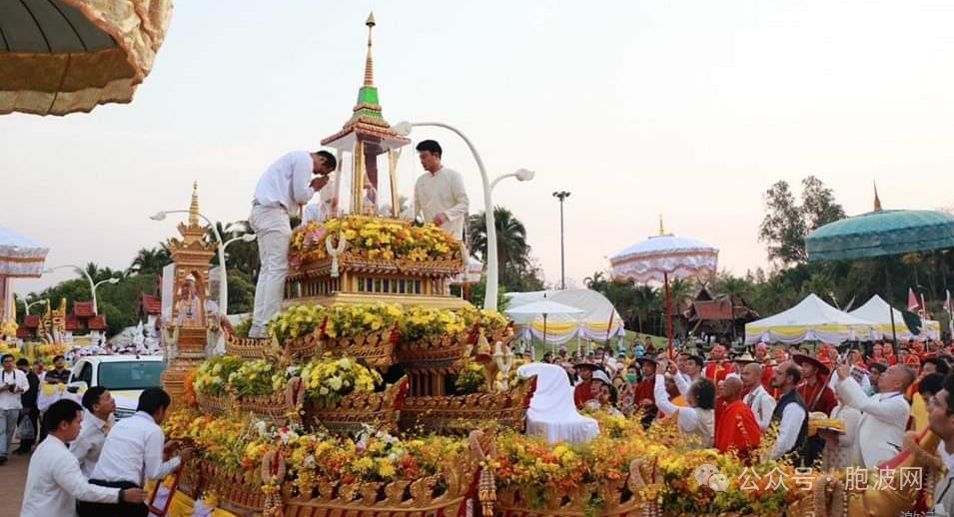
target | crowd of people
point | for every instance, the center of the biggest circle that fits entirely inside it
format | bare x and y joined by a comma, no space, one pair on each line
862,403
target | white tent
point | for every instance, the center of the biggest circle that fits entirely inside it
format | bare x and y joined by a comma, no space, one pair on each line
811,320
598,321
876,310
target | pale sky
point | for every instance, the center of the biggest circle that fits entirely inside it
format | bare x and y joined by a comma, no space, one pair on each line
689,109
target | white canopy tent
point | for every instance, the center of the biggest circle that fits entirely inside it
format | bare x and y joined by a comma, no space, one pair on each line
876,311
598,319
811,320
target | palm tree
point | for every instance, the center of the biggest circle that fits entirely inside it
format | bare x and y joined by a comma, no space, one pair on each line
150,261
596,281
512,248
645,304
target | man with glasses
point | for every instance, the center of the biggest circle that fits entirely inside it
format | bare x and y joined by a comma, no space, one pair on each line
283,189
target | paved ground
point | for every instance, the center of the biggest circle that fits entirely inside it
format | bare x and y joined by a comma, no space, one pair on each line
13,475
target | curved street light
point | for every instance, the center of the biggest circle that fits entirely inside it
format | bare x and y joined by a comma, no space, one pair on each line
27,305
404,128
223,281
92,285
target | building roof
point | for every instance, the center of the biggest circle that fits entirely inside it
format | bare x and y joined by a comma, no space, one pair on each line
150,304
83,309
31,321
74,323
713,309
98,322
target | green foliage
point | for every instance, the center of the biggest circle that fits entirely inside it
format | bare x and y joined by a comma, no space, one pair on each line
519,272
786,223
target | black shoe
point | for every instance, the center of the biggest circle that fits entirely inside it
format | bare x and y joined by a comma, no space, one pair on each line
3,460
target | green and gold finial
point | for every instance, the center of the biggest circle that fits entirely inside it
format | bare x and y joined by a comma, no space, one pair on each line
877,201
369,63
194,207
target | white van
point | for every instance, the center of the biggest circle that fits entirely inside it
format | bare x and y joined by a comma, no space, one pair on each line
125,376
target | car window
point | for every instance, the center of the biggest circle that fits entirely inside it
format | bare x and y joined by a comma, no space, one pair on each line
131,375
86,375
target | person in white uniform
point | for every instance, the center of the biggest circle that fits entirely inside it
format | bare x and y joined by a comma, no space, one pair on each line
699,418
54,481
97,421
13,384
133,454
286,186
758,398
439,195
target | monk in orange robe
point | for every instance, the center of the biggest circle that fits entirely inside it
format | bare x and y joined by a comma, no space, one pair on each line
736,427
718,366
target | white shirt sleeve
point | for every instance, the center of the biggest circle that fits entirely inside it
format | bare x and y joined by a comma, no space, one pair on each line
688,418
79,448
418,203
301,181
68,476
682,383
461,202
21,380
791,424
852,395
155,468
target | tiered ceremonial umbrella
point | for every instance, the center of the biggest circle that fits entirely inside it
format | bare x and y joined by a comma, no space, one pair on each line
881,233
64,56
663,257
20,257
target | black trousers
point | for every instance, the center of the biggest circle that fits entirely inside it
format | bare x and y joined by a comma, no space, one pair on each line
112,510
34,416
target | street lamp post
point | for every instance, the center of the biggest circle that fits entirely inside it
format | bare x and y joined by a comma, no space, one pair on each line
493,275
92,285
562,195
27,304
223,281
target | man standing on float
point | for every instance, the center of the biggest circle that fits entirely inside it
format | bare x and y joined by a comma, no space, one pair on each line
439,195
281,191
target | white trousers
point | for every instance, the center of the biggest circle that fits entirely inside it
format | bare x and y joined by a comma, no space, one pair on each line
273,230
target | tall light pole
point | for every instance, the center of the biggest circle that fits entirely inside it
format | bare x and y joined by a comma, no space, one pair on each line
493,276
562,195
27,304
92,285
223,281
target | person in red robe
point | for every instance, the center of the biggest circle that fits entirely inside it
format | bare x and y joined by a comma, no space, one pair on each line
889,358
736,427
718,366
814,388
583,390
644,391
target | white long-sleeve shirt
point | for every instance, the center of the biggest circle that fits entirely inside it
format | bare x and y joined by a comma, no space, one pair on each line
762,405
287,183
11,399
133,452
89,444
699,422
442,193
788,429
54,483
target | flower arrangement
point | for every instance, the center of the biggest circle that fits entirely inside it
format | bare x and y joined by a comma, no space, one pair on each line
489,320
375,239
471,379
252,378
420,323
345,321
212,378
295,321
328,380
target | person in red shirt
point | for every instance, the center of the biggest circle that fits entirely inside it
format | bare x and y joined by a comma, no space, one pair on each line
889,358
814,388
736,427
644,391
584,389
718,367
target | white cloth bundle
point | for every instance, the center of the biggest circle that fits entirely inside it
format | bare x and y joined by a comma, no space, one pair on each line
552,411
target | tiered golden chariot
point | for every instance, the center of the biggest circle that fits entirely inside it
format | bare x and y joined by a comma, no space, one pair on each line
345,262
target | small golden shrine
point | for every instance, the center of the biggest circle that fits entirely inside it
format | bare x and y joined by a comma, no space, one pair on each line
186,335
342,271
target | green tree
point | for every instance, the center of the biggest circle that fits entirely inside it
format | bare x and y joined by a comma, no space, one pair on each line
518,271
783,228
150,261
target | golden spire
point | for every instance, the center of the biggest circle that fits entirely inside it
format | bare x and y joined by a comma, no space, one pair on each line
194,207
368,63
662,229
877,202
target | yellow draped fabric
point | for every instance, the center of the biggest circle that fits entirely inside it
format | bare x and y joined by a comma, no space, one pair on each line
58,83
184,506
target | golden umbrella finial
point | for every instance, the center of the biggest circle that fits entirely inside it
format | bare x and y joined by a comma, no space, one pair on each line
194,207
662,229
369,63
877,201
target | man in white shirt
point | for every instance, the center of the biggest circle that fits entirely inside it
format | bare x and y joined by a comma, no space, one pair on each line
790,413
699,418
758,399
439,195
97,421
281,191
133,453
884,415
54,481
13,383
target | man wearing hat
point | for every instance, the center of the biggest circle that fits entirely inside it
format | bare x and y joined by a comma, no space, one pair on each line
583,390
597,382
644,390
813,388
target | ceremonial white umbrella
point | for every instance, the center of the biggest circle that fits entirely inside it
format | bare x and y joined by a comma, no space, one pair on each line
543,308
20,257
663,257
